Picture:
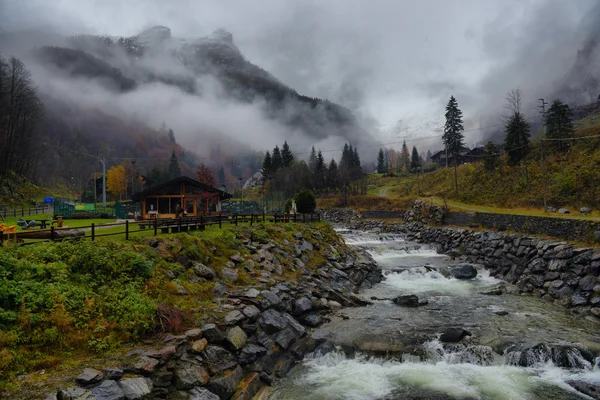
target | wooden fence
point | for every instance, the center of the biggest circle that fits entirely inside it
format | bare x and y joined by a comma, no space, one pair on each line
154,227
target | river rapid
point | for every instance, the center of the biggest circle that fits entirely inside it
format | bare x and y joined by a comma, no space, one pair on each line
519,347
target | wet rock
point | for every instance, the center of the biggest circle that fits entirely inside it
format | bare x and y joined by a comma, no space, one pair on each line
213,333
499,290
579,299
587,283
218,359
312,320
529,355
203,271
248,388
89,376
113,373
188,375
140,364
334,305
301,306
75,393
270,299
463,271
236,338
234,317
285,338
251,353
409,300
251,312
591,389
200,393
226,385
108,390
135,388
272,321
162,378
454,335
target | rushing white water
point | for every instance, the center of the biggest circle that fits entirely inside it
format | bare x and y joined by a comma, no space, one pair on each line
423,280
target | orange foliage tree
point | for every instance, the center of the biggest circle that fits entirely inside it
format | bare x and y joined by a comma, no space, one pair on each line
116,180
205,175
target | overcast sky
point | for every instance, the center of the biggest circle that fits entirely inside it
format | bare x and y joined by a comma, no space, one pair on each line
387,60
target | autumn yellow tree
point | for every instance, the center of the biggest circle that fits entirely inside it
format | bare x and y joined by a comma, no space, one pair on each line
116,180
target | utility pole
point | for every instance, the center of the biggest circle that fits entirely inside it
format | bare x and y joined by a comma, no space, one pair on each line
543,107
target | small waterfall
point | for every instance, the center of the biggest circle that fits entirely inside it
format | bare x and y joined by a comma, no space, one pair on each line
458,353
541,353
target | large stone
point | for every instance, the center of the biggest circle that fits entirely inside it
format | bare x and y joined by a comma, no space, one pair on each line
251,312
234,317
251,353
454,335
270,299
108,390
463,271
579,299
312,320
252,293
200,393
203,271
301,306
75,393
591,389
198,346
409,300
135,388
248,388
587,283
113,373
218,359
226,385
272,321
140,364
236,338
188,375
213,333
229,274
285,338
89,376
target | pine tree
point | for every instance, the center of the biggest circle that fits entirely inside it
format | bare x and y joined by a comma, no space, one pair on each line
171,136
320,171
174,169
277,159
404,158
381,162
333,178
415,161
287,156
492,155
428,158
559,124
312,159
267,166
516,141
221,174
453,137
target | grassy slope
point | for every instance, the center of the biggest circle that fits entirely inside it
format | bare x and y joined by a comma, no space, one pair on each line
63,304
573,180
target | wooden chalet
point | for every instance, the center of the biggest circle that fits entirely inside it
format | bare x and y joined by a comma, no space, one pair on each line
195,197
465,156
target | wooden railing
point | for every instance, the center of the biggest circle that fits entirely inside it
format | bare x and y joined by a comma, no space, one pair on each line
156,226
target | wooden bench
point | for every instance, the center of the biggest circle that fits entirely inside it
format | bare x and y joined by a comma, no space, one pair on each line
81,214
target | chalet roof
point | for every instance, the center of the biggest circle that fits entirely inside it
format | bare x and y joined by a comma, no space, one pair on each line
182,179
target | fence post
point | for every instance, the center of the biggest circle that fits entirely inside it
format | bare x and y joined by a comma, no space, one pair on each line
201,223
155,227
264,217
236,220
126,229
93,232
220,221
51,233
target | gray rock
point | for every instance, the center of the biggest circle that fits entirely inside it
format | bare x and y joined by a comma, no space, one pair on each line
203,271
251,312
234,317
236,258
272,300
579,299
409,300
251,353
226,385
108,390
312,320
301,306
112,373
219,289
213,333
188,375
295,325
199,393
272,321
218,359
236,338
587,283
564,211
252,293
229,274
454,335
75,393
590,389
585,210
135,388
285,338
89,376
463,271
306,246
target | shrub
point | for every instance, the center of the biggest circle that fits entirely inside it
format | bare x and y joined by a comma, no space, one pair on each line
306,202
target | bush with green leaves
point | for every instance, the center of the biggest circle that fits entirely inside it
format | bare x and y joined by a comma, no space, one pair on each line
306,202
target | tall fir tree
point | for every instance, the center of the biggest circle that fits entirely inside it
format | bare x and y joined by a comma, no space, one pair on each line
267,166
404,158
415,161
174,168
171,136
333,178
491,156
277,159
453,137
320,171
312,159
516,141
221,174
381,162
287,157
428,158
559,124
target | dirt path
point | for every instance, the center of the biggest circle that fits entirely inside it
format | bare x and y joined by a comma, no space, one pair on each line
383,192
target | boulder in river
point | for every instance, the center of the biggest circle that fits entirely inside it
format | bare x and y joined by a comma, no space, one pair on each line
454,335
463,271
587,388
409,300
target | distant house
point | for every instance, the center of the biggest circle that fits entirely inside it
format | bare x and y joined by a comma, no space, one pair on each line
465,156
195,197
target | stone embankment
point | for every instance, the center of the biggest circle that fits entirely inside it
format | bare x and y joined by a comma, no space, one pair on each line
258,333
